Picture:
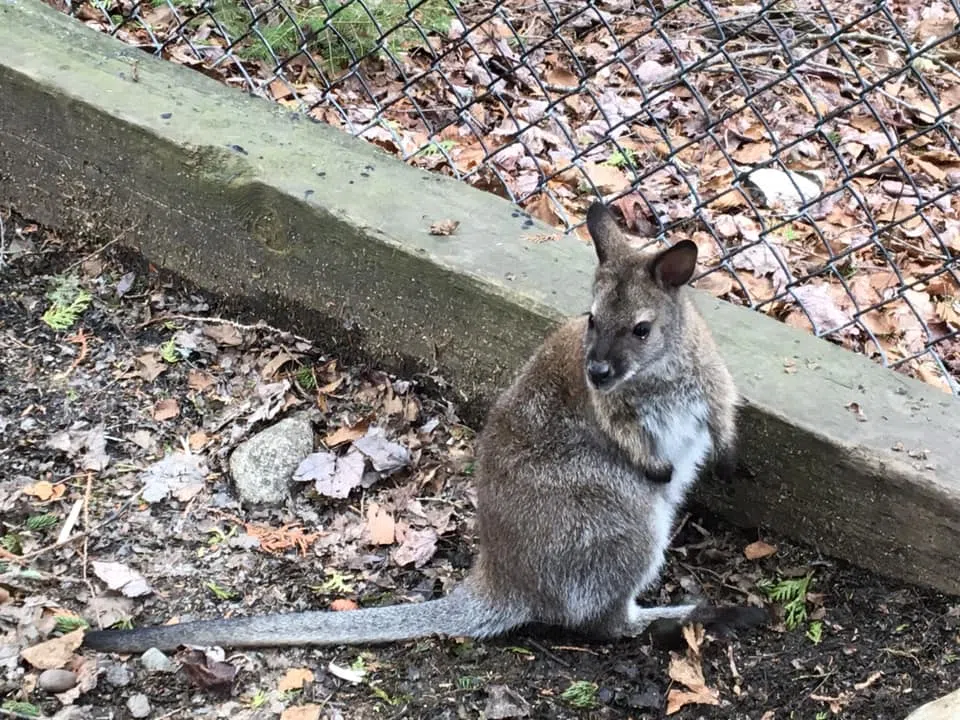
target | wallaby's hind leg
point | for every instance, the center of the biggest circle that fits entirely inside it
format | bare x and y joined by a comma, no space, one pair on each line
640,617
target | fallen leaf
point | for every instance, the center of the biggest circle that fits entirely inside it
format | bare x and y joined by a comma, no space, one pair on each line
166,409
171,474
385,456
677,699
197,440
606,178
295,679
207,672
417,547
118,576
821,306
343,605
381,525
332,476
223,334
302,712
345,434
151,366
688,672
503,702
44,490
752,153
273,367
199,380
444,227
759,550
55,653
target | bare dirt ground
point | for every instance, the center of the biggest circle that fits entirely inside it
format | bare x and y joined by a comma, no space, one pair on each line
146,371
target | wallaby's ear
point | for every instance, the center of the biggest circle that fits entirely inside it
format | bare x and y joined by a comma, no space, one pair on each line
674,266
604,231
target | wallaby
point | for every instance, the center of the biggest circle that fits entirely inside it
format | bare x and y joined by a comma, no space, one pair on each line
580,469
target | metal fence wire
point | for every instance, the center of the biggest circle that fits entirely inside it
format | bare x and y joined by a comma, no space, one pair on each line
808,147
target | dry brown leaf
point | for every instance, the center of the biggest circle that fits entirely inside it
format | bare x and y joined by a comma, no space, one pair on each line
345,434
343,605
381,525
199,380
55,653
277,362
688,672
717,284
542,208
417,547
166,409
949,311
223,334
151,366
607,178
677,699
198,439
44,490
295,679
753,153
694,636
759,550
302,712
444,227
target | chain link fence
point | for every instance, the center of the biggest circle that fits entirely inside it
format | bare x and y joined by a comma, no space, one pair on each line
809,147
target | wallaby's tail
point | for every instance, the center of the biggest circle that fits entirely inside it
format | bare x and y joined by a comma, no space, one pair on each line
462,613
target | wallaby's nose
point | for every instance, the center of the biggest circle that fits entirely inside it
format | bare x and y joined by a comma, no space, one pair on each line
598,371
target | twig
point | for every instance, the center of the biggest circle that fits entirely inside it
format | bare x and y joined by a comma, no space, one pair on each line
86,525
239,326
78,338
99,250
71,521
553,656
109,519
3,243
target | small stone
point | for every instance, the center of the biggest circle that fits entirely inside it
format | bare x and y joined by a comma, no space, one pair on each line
263,466
154,660
119,675
138,705
605,696
57,681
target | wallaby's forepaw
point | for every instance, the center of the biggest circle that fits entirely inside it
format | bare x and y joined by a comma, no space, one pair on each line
660,474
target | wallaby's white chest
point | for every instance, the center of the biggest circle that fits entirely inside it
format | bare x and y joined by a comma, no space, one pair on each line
682,438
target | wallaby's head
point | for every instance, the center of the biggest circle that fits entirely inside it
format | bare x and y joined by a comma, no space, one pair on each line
635,325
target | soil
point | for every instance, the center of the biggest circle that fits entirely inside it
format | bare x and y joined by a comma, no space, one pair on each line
125,401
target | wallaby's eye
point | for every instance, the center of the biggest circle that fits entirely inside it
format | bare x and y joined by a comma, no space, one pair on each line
590,323
641,329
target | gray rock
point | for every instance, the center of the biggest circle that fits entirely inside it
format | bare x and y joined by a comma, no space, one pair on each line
263,466
138,705
945,708
57,681
119,675
504,702
155,661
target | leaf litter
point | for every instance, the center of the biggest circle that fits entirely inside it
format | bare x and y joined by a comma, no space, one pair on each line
171,535
591,86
